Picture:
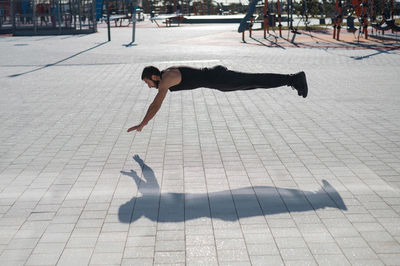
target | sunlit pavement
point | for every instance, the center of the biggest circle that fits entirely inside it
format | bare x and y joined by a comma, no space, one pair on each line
261,177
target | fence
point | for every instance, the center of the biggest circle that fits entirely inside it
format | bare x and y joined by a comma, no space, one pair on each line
46,17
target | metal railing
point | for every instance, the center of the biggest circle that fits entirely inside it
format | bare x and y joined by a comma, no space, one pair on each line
42,17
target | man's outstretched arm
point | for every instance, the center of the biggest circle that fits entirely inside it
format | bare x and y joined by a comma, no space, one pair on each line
170,78
152,110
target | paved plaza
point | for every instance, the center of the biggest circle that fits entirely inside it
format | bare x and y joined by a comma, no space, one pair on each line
261,177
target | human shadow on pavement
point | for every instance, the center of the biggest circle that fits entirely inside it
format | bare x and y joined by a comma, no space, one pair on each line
227,205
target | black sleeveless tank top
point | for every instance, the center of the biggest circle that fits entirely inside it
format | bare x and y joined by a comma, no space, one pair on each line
191,78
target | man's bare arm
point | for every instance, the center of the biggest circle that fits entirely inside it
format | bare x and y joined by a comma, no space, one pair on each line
169,79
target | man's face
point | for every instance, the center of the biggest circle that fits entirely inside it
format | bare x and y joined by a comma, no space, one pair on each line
151,83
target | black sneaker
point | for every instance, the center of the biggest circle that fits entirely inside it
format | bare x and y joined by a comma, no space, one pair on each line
299,82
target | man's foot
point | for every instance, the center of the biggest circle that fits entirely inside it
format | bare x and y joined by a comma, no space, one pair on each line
299,82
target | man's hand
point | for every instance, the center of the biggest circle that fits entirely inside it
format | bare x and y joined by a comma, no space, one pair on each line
138,128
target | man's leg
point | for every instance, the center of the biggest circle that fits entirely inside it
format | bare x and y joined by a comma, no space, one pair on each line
223,79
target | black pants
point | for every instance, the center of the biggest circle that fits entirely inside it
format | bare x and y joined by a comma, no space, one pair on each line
220,78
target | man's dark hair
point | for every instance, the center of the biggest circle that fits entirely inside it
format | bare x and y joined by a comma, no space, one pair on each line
149,71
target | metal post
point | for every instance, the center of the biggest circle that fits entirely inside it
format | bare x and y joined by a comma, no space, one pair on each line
34,16
392,10
73,13
12,15
291,14
365,18
94,19
335,19
266,22
289,20
278,5
59,16
306,12
151,8
108,21
133,23
80,15
251,26
339,20
288,12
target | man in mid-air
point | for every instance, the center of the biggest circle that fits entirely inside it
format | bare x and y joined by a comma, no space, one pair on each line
218,77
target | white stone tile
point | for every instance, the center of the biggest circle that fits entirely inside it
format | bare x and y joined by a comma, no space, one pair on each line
138,261
75,256
234,255
199,261
43,259
331,260
81,242
169,257
201,251
266,260
106,259
170,245
139,252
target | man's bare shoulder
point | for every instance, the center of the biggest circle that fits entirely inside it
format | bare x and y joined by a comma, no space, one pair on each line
171,72
171,77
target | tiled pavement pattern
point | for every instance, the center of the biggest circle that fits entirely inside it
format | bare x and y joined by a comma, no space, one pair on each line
262,177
